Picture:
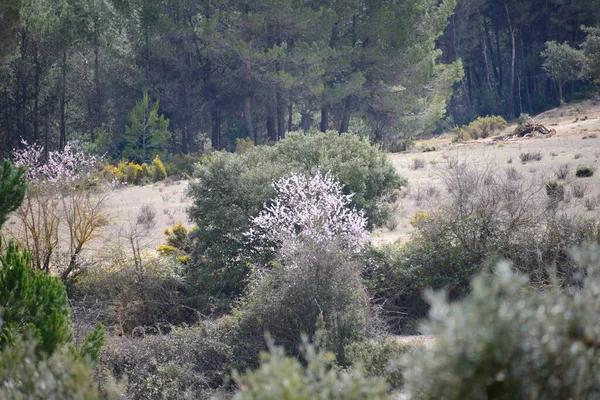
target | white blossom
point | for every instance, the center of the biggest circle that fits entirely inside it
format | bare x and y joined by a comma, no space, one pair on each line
309,209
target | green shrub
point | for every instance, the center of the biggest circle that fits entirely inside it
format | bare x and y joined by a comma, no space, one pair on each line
231,188
533,156
24,375
380,358
281,377
320,287
482,127
584,172
32,302
506,341
13,186
484,218
555,191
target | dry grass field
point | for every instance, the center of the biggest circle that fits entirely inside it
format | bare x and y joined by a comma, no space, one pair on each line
576,143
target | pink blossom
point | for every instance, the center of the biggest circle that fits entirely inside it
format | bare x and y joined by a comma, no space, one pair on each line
66,165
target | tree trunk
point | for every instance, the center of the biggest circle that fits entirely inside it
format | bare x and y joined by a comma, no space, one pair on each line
271,111
512,63
62,140
290,115
280,116
345,125
324,119
215,135
248,116
306,121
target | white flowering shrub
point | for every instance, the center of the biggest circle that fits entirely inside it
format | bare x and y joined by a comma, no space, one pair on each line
316,277
309,209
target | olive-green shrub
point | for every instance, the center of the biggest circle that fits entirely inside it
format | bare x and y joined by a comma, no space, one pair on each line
25,375
186,363
485,217
231,188
281,377
507,341
482,127
320,288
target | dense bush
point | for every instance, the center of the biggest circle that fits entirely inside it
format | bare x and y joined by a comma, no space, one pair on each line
482,127
26,375
281,377
314,283
320,288
232,188
380,358
187,363
506,341
485,217
124,298
32,302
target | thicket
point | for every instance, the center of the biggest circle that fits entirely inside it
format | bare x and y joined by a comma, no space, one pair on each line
232,188
487,216
37,356
506,340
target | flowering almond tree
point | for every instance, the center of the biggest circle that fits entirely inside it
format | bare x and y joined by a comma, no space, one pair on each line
309,209
62,192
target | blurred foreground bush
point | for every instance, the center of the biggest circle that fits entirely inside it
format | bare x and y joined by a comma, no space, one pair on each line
507,341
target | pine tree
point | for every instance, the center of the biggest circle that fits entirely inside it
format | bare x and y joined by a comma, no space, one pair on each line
147,134
12,189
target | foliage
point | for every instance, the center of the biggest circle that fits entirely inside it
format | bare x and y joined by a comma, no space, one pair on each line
314,283
481,127
13,187
320,286
555,191
584,172
32,302
530,156
188,363
132,173
26,375
506,341
159,173
591,50
562,63
281,377
232,188
486,217
92,344
147,134
380,358
123,297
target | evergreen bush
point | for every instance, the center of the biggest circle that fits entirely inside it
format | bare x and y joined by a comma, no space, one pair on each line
507,341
